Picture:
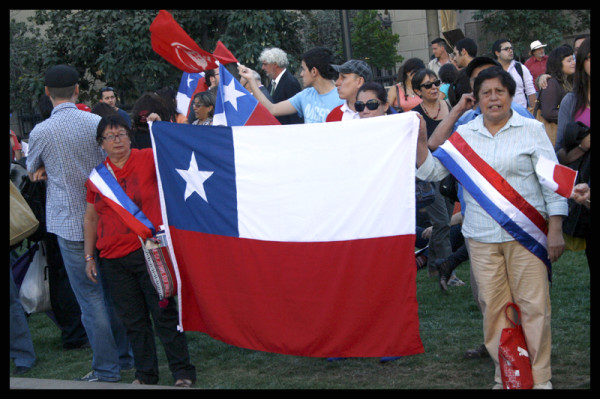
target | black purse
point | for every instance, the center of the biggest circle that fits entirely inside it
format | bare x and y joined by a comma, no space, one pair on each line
424,192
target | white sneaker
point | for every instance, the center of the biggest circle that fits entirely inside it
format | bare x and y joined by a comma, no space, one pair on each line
498,385
545,385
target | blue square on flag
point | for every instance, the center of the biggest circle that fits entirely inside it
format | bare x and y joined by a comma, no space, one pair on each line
198,185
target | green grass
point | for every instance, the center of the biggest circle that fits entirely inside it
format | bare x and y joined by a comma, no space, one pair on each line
449,324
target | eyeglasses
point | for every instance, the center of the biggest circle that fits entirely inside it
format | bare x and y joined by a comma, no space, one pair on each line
110,138
506,49
428,86
198,105
107,88
371,105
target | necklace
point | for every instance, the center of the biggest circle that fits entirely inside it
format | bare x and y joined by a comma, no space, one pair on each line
438,111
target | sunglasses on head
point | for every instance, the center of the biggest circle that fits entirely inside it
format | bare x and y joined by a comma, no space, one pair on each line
371,104
430,84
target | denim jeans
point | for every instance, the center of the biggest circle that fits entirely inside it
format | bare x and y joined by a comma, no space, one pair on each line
95,309
21,346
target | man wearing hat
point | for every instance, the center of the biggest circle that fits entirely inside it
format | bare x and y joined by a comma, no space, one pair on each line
537,62
352,75
63,150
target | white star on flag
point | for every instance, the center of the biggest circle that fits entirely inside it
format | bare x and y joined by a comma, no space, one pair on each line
231,94
194,179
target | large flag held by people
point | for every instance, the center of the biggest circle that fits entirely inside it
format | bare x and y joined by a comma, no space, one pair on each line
172,43
294,239
235,106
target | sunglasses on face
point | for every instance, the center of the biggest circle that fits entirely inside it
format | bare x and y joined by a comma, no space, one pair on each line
371,105
428,86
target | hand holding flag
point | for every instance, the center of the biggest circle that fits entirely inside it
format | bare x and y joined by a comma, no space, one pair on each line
235,106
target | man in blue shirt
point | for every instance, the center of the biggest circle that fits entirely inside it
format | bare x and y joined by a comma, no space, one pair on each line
318,98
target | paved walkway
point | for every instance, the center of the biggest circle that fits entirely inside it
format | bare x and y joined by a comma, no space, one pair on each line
37,383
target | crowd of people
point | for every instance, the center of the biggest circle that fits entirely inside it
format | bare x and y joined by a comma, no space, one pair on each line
489,101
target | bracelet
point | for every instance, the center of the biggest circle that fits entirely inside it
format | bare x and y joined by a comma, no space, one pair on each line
88,258
581,148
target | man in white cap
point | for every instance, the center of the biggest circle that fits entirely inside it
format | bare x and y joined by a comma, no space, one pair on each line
537,62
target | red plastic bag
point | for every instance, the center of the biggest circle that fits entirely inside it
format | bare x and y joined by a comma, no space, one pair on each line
515,366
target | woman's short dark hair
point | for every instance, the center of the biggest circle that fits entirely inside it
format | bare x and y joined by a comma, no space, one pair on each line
206,98
114,120
420,75
376,88
494,72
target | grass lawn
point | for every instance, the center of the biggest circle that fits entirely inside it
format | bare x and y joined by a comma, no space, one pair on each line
449,324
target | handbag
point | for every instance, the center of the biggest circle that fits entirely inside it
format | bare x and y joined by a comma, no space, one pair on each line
424,192
34,293
155,248
513,356
23,222
551,127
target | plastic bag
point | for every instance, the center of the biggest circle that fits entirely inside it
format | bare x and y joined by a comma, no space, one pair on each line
35,288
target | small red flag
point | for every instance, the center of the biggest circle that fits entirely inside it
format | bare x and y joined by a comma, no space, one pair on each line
172,43
222,54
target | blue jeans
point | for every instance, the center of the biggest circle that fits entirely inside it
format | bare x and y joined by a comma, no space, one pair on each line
21,346
96,315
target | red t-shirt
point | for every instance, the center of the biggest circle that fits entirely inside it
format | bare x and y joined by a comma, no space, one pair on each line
138,179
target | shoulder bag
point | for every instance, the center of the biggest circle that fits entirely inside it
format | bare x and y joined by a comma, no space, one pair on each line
551,128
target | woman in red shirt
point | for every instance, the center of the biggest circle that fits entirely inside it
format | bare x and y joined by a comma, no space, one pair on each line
121,259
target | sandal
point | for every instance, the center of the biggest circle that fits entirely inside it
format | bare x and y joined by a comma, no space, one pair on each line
183,383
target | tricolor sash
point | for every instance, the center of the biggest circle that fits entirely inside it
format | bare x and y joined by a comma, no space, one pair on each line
496,196
154,245
108,186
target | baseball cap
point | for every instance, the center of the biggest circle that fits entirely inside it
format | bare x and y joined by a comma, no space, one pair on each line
536,45
61,76
358,67
477,62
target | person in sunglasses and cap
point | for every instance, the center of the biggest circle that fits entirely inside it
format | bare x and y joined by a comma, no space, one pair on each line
352,75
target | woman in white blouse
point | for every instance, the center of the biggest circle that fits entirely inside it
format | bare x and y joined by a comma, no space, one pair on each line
506,271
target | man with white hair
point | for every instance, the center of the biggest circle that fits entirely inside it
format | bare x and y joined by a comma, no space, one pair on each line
282,84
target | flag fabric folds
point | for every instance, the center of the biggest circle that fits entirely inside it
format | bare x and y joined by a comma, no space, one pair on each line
190,84
172,43
295,239
558,178
235,106
223,55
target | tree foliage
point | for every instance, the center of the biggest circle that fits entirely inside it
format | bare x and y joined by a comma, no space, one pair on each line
372,42
522,27
113,47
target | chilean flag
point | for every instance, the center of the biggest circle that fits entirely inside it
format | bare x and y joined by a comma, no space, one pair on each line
172,43
294,239
190,84
558,178
235,106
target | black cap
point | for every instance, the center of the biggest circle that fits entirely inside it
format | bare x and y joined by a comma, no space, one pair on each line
479,61
61,76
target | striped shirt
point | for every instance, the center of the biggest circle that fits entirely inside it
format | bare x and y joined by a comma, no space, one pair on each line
513,152
65,144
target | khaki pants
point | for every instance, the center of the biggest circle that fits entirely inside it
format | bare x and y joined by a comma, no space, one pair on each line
508,272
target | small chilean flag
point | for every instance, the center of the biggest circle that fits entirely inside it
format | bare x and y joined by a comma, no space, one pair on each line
235,106
558,178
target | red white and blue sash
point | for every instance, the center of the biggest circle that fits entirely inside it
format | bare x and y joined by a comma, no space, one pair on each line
108,186
496,196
